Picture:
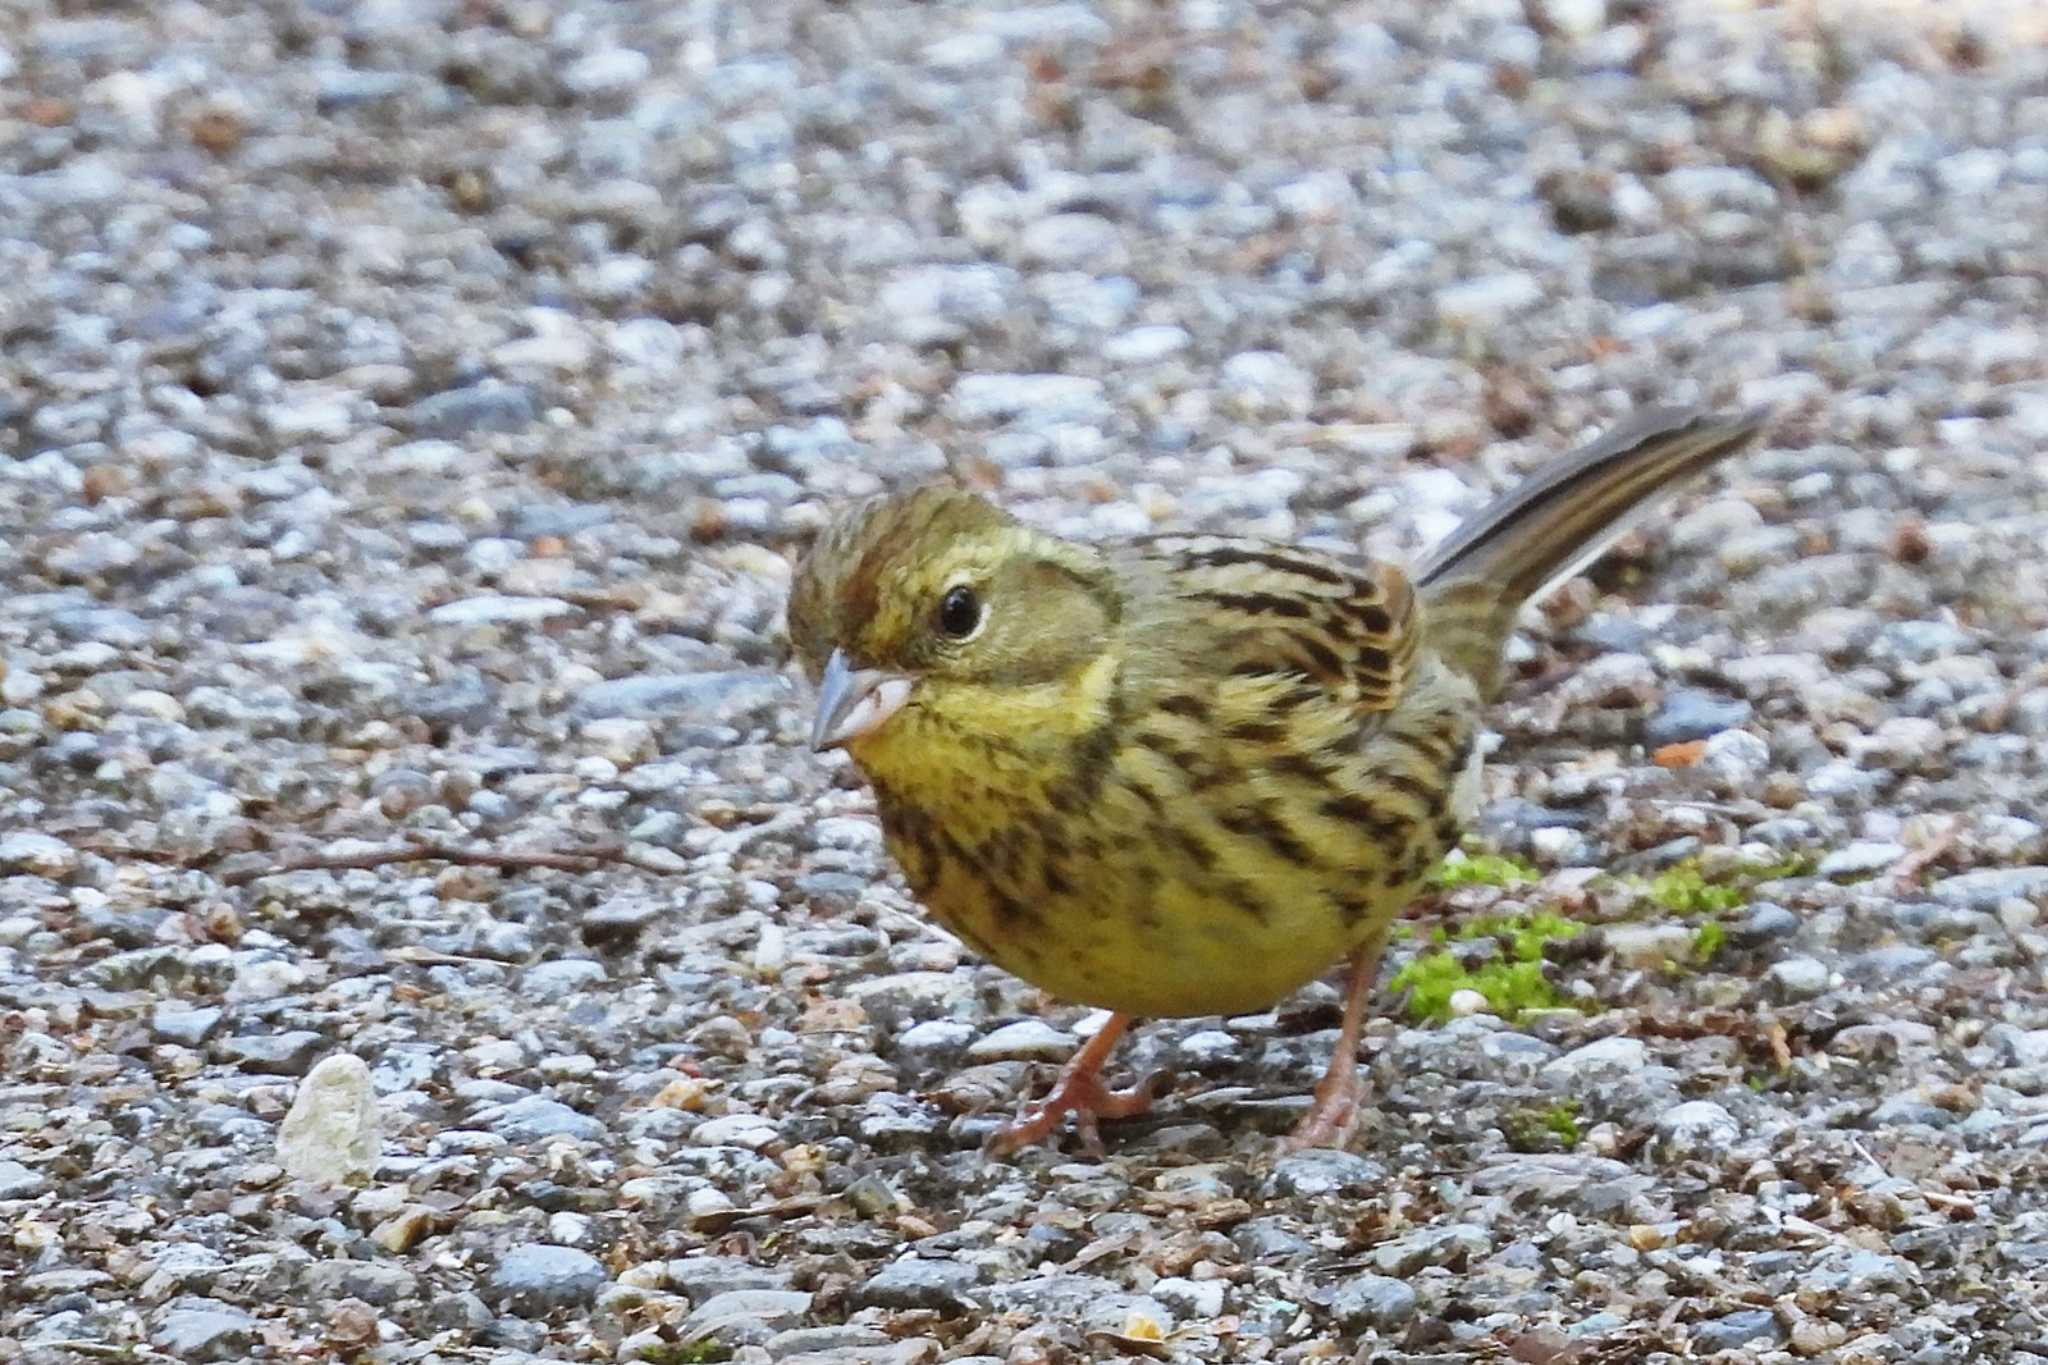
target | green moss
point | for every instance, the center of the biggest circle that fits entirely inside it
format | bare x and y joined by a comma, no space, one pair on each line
1555,1129
1707,941
704,1352
1684,890
1512,983
1481,869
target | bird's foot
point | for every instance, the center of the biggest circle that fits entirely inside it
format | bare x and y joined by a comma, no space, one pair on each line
1332,1118
1082,1094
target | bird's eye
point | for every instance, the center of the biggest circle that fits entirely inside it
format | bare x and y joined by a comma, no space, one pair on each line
959,612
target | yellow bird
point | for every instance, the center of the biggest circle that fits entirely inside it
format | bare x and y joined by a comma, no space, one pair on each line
1186,774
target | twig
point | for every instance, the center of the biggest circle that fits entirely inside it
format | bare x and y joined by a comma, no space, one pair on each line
413,849
417,850
1908,869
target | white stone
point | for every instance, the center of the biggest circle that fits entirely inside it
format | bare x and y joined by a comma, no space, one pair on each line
332,1134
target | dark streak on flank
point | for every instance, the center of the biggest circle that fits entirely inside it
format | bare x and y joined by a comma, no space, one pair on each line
1258,731
1429,797
1197,850
1143,793
1181,704
1292,764
1379,825
1261,823
1171,752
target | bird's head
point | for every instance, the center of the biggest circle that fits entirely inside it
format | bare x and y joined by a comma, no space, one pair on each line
934,604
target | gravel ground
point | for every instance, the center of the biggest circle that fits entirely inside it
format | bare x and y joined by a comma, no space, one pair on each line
407,411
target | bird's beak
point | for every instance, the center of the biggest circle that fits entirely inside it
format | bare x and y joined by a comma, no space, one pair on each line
854,701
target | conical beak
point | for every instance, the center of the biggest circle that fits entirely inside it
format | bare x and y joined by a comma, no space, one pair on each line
854,701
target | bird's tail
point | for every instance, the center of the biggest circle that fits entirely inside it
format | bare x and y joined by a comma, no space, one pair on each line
1555,523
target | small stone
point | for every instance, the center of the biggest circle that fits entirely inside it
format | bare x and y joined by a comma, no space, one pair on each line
774,1307
275,1054
549,982
1737,757
374,1282
499,610
1485,302
914,1282
1985,888
1453,1247
204,1329
1602,1057
934,1040
1027,1040
1796,979
185,1025
537,1118
1736,1330
1573,18
1696,1128
478,409
40,854
1466,1002
712,695
1692,713
1647,945
536,1279
404,1230
1373,1302
1073,241
1861,859
19,1182
333,1134
1190,1298
979,399
1322,1172
615,71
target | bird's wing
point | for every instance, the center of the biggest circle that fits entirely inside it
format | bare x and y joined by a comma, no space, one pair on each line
1261,609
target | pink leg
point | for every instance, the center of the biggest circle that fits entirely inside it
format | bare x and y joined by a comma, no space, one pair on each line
1080,1092
1329,1121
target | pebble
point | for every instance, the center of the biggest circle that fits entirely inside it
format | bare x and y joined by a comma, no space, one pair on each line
1695,1129
333,1133
19,1182
41,854
499,610
1796,979
1737,757
1377,1303
913,1282
203,1329
536,1279
1688,713
1027,1040
1861,859
291,1053
1602,1057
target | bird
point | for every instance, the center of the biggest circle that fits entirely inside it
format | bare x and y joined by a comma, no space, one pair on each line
1186,774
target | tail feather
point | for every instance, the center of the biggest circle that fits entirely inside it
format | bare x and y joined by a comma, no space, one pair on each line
1540,533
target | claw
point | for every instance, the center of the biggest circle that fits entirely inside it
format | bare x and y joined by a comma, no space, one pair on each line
1080,1092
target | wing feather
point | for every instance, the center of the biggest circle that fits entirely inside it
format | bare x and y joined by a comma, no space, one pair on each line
1268,610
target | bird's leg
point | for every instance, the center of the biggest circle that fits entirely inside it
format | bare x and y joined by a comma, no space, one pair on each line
1079,1091
1329,1119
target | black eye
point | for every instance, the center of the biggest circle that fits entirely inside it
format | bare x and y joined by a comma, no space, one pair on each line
959,612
